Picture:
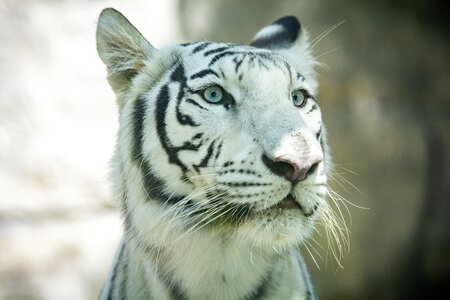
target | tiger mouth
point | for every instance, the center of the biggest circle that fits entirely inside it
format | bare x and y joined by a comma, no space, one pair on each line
289,202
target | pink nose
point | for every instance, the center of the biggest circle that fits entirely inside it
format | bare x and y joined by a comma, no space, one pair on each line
291,167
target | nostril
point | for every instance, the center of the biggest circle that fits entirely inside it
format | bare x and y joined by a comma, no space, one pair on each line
282,167
310,165
312,169
291,167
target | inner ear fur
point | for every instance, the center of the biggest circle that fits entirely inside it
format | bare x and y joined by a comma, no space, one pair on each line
280,34
122,48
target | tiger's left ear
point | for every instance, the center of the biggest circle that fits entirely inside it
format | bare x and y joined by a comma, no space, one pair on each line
281,34
122,48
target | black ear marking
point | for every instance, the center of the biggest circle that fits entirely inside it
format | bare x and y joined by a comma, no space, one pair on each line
292,26
282,33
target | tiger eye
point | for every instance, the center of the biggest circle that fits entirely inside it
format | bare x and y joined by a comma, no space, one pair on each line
299,98
213,94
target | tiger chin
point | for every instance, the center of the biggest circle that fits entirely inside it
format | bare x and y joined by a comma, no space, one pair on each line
220,165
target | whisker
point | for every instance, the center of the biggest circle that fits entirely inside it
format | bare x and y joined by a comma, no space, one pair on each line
336,197
314,249
321,36
312,256
328,52
349,183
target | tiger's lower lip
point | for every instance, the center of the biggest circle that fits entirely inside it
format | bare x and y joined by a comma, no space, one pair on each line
288,203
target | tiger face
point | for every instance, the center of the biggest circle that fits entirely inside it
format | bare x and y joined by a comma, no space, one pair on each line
215,137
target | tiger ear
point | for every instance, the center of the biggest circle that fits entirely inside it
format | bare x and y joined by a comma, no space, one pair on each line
281,34
286,37
122,48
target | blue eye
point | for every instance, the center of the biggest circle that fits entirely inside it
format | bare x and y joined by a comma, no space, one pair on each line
213,94
299,98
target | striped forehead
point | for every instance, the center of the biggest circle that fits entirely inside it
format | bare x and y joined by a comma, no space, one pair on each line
206,57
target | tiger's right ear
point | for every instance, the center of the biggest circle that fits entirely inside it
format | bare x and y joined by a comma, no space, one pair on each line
122,48
281,34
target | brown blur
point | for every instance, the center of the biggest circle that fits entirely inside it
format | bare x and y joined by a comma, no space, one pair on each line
384,94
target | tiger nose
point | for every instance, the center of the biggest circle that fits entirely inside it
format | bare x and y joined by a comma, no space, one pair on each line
291,167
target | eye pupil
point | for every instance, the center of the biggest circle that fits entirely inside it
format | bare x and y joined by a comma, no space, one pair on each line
299,98
213,94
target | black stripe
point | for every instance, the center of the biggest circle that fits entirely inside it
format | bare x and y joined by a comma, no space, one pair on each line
191,101
288,67
313,108
253,55
228,100
189,146
250,61
209,153
197,136
113,277
319,132
322,144
270,57
205,160
221,55
161,109
309,289
127,220
262,64
123,282
176,292
215,51
244,184
187,44
179,76
228,163
138,124
245,195
200,47
261,290
218,150
204,73
162,104
238,62
166,276
240,171
154,186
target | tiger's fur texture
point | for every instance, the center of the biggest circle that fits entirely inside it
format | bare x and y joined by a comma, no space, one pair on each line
209,209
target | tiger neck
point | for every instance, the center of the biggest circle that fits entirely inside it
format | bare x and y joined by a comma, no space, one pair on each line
204,266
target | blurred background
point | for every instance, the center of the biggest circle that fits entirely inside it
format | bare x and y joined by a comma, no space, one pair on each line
385,97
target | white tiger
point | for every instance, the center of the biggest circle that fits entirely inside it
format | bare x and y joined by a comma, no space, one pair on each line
220,164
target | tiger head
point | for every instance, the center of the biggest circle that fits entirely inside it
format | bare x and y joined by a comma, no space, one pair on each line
217,137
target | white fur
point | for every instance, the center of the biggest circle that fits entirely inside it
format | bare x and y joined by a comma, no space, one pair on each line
210,261
269,31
